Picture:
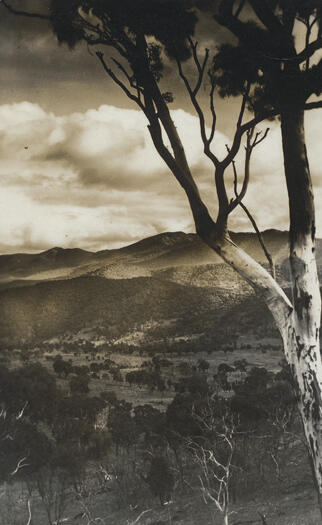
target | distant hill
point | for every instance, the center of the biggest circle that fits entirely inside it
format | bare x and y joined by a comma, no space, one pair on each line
160,252
24,265
171,283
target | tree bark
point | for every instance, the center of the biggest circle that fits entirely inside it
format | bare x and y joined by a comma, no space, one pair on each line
299,324
261,281
301,337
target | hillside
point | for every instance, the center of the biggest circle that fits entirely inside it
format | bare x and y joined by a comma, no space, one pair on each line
161,251
170,284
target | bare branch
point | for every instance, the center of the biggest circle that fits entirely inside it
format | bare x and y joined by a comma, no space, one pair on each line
20,414
214,474
212,110
200,66
270,114
260,238
241,129
199,210
104,34
308,51
129,77
238,199
117,81
139,517
243,105
29,512
193,97
307,43
21,464
313,105
156,134
259,138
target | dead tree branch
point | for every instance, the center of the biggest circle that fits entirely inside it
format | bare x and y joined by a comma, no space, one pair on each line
29,512
212,452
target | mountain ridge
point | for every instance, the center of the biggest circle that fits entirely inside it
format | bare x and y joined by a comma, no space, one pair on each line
143,258
168,278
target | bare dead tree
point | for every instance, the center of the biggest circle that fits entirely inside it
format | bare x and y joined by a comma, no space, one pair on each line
212,453
9,421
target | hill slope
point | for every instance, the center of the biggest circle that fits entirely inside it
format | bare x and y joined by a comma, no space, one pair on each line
172,284
166,250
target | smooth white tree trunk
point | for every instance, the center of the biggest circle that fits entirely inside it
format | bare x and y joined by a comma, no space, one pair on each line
302,347
299,326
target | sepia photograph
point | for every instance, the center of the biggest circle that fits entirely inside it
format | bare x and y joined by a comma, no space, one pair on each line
160,262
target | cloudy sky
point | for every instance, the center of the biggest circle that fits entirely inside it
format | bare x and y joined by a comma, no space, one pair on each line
77,165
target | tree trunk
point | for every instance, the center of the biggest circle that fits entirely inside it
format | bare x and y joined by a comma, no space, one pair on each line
261,281
298,325
299,328
301,336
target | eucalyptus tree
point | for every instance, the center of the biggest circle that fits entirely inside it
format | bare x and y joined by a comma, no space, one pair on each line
273,78
284,77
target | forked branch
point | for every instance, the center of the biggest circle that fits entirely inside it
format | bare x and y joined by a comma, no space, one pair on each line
118,81
309,49
193,92
240,129
250,145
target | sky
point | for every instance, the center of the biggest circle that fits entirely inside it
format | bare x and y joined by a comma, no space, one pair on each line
77,165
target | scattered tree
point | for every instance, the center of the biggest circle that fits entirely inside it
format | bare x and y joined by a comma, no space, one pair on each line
203,365
79,384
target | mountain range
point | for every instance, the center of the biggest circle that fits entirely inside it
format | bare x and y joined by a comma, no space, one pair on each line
157,253
172,279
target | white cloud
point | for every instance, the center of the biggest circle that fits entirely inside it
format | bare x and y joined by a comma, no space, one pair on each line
94,180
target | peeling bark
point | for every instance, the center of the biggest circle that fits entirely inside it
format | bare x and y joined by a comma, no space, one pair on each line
301,339
303,354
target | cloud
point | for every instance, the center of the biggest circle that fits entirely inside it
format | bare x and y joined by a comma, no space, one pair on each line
87,179
35,68
94,180
75,176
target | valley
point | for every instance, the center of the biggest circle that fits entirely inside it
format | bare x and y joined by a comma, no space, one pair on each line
118,357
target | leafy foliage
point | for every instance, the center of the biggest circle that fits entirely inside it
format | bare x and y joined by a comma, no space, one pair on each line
125,21
265,57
